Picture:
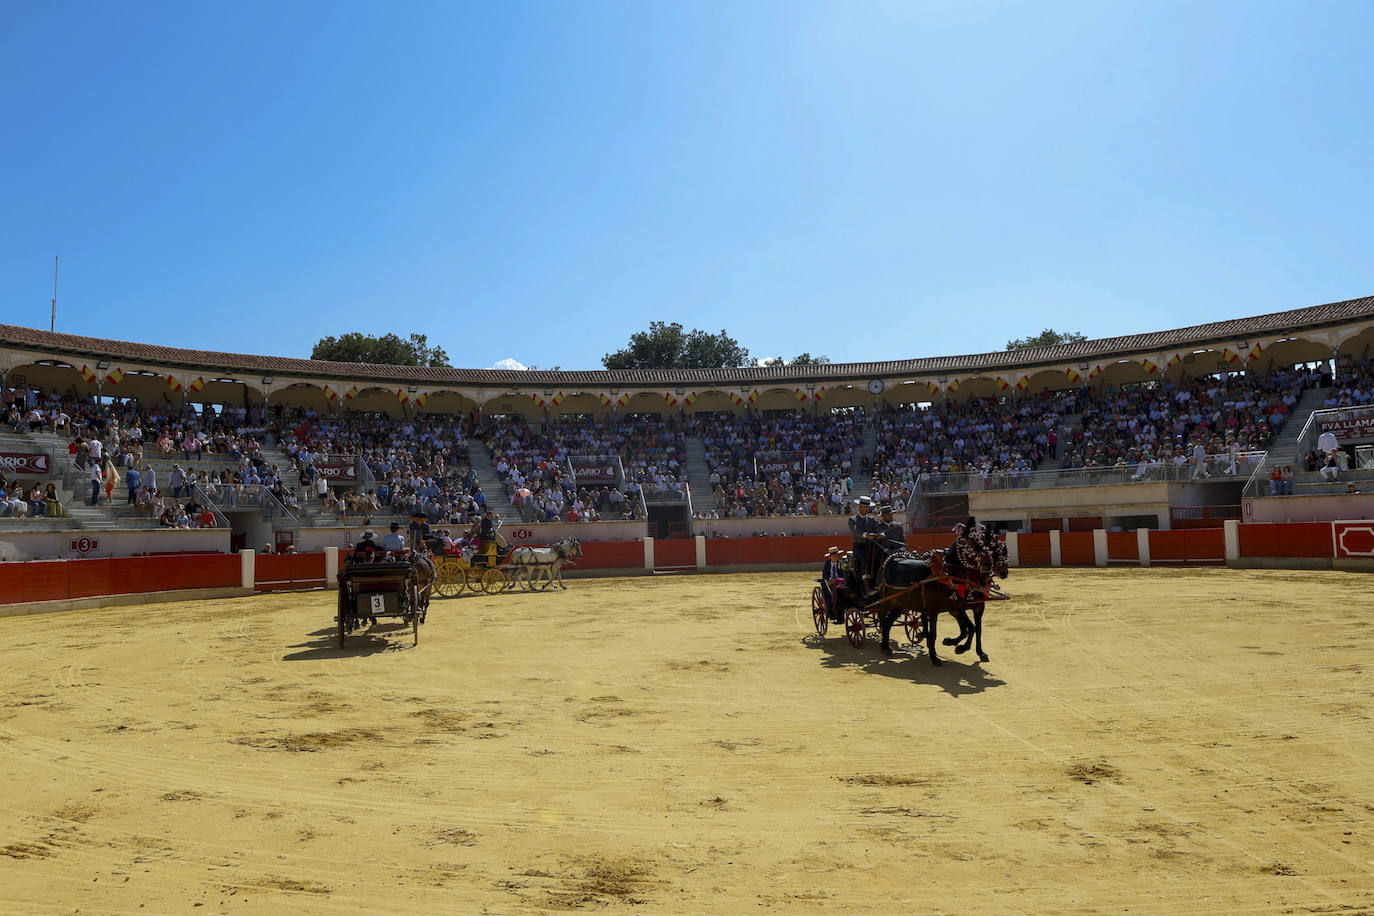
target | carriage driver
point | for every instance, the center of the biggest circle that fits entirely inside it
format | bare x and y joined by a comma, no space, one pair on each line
829,573
865,529
367,549
487,536
394,541
894,535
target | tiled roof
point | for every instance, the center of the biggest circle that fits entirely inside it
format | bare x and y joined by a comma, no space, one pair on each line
75,348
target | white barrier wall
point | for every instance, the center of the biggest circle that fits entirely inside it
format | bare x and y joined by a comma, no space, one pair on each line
17,544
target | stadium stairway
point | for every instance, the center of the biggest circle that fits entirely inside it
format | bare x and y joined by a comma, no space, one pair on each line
1283,449
492,487
1067,426
699,475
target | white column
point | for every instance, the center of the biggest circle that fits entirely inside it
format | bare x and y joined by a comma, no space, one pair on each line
1142,540
1056,557
1013,554
249,569
649,553
701,551
1231,530
331,567
1100,546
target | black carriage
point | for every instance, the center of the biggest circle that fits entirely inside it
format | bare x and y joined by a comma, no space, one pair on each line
369,591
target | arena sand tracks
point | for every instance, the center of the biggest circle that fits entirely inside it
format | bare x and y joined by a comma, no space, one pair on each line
1160,740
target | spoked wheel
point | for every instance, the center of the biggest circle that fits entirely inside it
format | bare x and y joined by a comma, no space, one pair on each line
493,581
448,582
854,626
818,615
415,625
343,615
915,627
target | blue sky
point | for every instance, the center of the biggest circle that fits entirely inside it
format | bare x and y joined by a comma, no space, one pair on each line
867,180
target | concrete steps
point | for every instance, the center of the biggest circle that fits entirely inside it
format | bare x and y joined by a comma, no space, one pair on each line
493,489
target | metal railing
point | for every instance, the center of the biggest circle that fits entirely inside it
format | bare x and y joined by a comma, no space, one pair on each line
1216,466
221,520
240,496
1312,429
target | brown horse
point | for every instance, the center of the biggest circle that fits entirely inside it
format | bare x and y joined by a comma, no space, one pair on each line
422,576
939,584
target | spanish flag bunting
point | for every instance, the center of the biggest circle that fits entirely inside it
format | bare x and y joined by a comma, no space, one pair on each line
351,393
172,382
1149,365
753,396
1174,360
115,377
736,398
401,395
538,399
421,399
1096,371
198,384
1254,352
623,399
1023,383
87,374
953,386
329,393
932,388
801,394
1231,356
558,398
668,396
605,399
1073,375
1002,384
691,397
820,392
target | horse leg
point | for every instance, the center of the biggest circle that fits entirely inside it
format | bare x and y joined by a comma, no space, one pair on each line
885,620
960,642
929,618
978,632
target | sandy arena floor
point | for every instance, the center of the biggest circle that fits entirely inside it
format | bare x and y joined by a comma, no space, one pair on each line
1143,740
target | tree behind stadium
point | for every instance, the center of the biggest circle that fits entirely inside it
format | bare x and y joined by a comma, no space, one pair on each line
388,350
1046,338
667,346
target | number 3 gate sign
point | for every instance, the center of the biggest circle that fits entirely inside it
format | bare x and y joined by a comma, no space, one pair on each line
1353,540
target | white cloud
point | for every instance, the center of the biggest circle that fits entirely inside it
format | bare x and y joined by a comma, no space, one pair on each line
510,364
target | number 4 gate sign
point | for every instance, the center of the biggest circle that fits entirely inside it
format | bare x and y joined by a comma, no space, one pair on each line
1353,540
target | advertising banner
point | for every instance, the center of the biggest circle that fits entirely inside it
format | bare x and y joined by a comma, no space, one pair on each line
25,463
776,464
594,470
338,471
1350,429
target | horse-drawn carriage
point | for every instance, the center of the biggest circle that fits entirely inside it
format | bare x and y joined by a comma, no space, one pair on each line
390,587
913,588
468,569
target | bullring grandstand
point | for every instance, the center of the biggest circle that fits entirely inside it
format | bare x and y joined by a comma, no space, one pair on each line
114,448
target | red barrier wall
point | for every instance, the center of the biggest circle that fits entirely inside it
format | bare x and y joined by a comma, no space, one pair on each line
1296,539
675,553
57,580
285,571
1195,547
1076,549
611,555
1034,549
1123,547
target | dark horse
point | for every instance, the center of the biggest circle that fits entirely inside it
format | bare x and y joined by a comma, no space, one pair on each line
932,585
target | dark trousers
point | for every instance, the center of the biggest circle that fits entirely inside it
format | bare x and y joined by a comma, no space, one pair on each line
95,492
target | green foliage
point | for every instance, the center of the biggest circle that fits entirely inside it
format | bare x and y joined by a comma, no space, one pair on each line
667,346
1046,338
804,359
387,350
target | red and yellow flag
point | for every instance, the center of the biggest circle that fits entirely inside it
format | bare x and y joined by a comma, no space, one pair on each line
1073,375
690,399
605,399
330,394
198,384
1003,384
351,393
1149,365
800,394
173,383
820,392
1254,352
1229,355
1023,383
86,374
115,377
421,399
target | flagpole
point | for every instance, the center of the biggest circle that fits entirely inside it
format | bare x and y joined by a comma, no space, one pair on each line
53,325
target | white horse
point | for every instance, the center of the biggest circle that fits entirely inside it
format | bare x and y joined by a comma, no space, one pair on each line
531,562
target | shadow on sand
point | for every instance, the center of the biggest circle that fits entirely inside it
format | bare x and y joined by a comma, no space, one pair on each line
386,636
906,663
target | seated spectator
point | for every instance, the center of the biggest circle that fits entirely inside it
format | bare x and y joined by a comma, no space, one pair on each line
1331,468
167,519
55,509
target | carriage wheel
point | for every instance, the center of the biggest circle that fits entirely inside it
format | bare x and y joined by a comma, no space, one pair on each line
343,615
448,579
915,627
493,581
415,624
854,626
818,614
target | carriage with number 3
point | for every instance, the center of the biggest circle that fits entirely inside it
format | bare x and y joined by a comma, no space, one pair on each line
397,588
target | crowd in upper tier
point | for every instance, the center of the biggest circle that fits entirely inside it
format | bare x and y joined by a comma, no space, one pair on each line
802,462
